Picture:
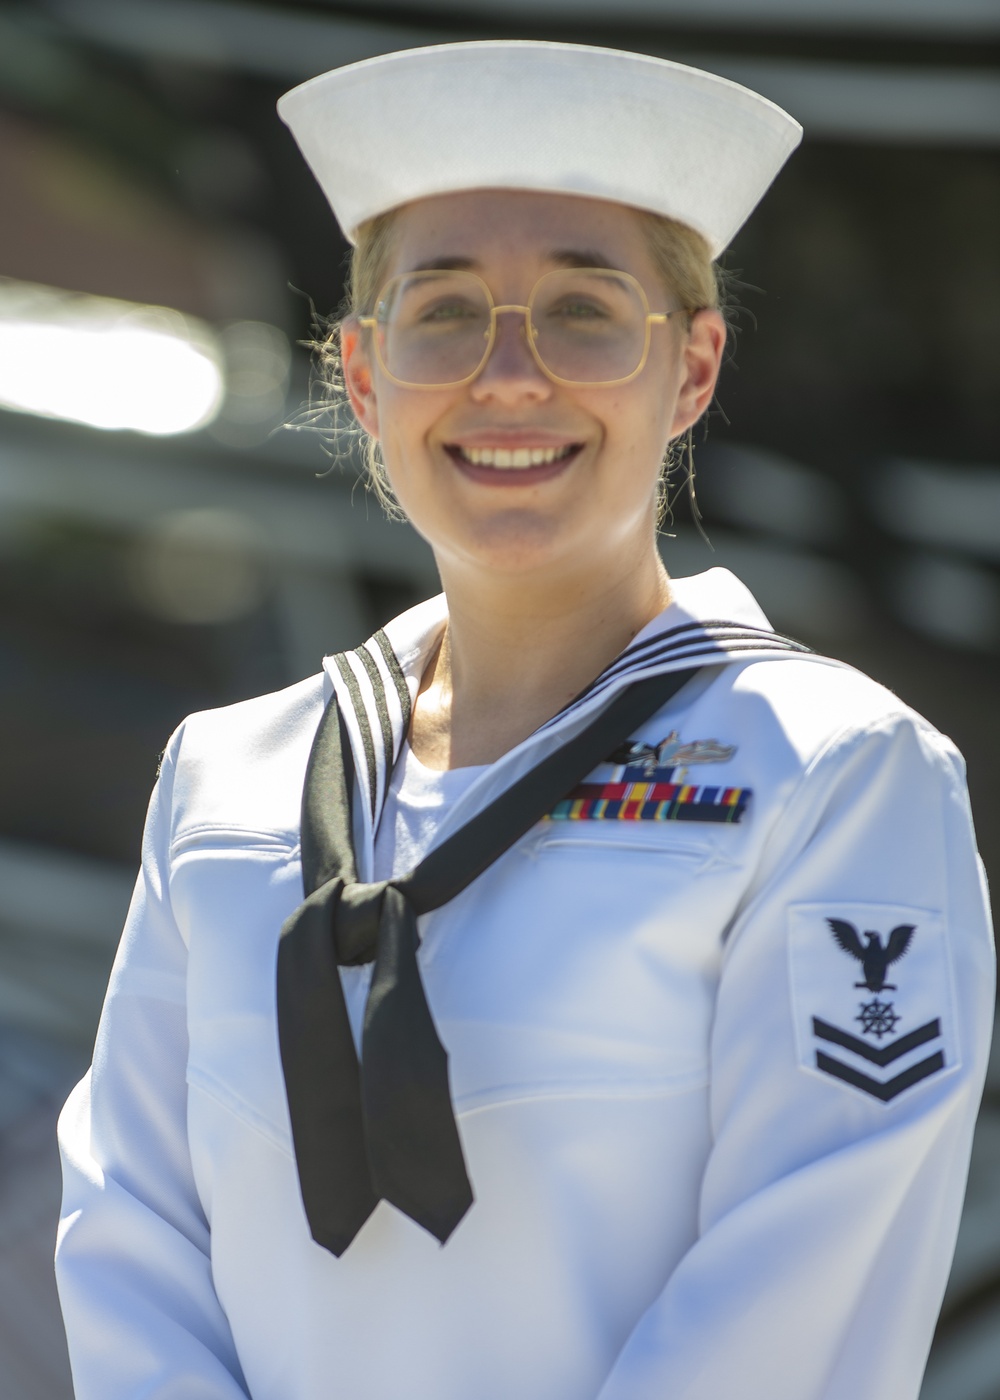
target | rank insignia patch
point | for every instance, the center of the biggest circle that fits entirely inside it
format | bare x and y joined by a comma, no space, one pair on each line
648,784
852,1023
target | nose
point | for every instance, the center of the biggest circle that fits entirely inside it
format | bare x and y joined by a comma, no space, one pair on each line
511,373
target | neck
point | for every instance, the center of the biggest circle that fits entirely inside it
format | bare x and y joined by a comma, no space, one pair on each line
516,651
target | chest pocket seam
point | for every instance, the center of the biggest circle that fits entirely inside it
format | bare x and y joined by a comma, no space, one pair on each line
622,843
239,1108
481,1100
211,836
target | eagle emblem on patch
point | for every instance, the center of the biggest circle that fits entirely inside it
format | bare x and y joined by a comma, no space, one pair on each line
854,1025
873,957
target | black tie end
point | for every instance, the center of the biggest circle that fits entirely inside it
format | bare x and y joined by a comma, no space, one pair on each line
440,1219
443,1231
337,1242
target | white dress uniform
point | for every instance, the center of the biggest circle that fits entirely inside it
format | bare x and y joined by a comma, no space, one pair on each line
717,1031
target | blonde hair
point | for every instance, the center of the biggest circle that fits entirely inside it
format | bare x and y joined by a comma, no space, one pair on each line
681,256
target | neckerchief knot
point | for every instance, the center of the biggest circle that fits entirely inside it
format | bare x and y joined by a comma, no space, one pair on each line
356,924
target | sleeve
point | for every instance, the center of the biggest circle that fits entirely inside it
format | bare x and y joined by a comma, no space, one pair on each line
844,1093
132,1260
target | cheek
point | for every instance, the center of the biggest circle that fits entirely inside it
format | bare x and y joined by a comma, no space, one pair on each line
638,426
407,422
404,419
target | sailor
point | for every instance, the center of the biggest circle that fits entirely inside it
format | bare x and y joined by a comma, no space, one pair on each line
578,991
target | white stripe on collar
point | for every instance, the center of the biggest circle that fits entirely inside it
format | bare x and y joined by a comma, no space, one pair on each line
711,619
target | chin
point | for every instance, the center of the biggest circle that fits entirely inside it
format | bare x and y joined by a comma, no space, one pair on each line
513,543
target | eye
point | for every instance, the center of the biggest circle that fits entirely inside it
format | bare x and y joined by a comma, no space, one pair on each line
578,308
452,309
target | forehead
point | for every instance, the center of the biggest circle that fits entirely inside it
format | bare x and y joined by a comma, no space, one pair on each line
495,228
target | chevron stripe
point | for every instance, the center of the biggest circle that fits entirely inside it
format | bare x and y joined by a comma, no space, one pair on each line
892,1087
881,1056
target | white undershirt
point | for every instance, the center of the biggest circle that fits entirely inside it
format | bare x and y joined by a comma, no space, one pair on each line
415,806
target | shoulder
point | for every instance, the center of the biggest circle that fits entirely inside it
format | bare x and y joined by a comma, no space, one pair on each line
242,766
806,732
815,707
263,724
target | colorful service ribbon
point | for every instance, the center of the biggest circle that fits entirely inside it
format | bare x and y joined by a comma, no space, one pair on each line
652,800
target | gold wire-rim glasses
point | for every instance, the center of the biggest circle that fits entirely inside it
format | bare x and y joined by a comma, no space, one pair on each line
651,318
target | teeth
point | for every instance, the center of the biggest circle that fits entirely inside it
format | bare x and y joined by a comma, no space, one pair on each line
513,458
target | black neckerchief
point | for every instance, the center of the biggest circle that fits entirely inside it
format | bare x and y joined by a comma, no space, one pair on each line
385,1130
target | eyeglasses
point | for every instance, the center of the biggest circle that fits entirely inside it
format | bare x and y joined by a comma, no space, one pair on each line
584,326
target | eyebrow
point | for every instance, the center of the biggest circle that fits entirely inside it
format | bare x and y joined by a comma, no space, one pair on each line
587,257
446,265
563,257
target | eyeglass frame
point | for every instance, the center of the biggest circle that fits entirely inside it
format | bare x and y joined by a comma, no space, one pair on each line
651,318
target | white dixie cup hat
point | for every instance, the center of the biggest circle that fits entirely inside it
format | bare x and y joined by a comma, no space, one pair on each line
521,115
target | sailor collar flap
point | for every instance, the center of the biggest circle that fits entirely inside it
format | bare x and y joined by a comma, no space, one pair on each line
376,685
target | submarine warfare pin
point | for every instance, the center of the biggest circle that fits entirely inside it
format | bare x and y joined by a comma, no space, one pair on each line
644,786
670,753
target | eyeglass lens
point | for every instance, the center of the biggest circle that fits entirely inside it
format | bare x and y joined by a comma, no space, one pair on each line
587,326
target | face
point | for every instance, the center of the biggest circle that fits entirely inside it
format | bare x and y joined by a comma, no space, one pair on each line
456,457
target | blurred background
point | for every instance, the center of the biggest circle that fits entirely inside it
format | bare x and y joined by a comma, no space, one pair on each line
166,544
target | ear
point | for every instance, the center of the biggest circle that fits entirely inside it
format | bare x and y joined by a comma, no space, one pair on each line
358,378
701,357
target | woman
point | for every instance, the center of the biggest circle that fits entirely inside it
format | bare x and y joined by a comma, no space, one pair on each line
670,1091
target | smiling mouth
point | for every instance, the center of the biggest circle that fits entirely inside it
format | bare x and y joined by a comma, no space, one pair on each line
513,458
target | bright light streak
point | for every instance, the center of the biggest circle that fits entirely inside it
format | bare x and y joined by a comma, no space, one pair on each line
108,364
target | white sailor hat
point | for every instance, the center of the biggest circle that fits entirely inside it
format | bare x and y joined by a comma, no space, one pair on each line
564,118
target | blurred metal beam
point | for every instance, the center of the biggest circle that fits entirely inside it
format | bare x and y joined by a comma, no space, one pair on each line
270,42
814,598
908,106
124,486
55,953
854,102
947,505
957,18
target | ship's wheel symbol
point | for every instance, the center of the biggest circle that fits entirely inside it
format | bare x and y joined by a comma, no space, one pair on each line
878,1018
